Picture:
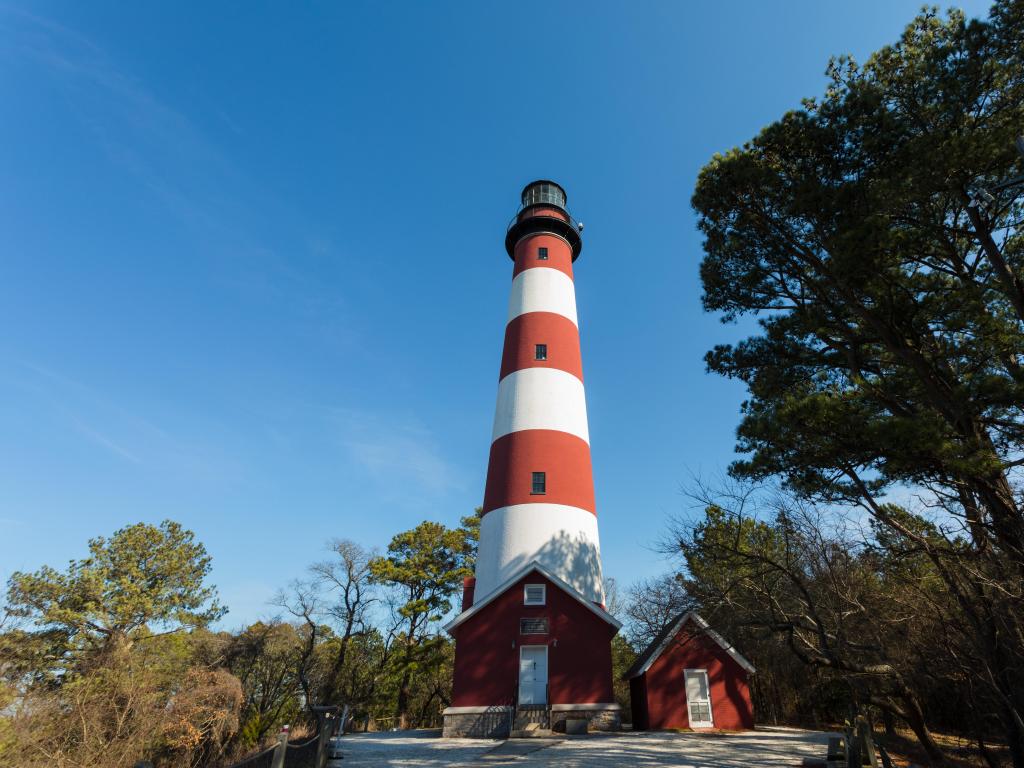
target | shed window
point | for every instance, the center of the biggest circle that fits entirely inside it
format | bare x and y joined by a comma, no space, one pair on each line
540,483
533,594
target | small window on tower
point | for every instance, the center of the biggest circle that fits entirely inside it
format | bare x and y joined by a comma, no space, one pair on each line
542,254
540,483
533,594
541,352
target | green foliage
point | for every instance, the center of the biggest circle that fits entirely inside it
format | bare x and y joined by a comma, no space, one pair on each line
623,656
888,349
264,657
427,566
890,341
110,661
143,577
470,525
428,563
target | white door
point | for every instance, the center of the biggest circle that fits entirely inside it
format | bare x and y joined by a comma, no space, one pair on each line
698,698
533,674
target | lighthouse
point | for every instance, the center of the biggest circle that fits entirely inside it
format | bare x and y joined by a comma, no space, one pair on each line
533,640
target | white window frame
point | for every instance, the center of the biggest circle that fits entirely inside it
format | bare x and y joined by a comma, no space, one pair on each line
709,723
543,594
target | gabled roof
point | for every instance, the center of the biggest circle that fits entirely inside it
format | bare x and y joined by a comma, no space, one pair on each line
668,634
504,587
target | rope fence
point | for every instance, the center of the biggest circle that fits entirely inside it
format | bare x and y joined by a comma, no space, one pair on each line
311,753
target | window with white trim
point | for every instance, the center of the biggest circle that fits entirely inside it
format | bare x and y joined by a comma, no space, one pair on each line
534,594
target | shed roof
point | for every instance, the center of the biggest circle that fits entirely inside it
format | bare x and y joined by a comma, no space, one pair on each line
665,637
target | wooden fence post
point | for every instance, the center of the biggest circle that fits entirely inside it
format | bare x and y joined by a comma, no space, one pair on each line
327,724
326,731
282,747
852,748
866,736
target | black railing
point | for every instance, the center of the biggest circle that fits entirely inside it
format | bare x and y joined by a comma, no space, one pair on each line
568,217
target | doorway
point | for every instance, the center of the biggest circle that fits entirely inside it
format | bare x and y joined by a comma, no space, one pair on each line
698,698
533,674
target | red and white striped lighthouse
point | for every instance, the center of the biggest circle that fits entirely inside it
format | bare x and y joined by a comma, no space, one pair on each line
539,497
533,641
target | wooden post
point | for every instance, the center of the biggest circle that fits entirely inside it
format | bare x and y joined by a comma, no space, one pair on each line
852,748
326,729
327,722
282,747
865,735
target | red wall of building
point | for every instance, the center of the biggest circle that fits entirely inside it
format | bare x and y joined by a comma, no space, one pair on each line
487,650
666,691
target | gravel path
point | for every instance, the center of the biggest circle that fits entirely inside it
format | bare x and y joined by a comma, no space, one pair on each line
425,749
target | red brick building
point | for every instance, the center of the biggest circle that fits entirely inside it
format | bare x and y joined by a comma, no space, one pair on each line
690,677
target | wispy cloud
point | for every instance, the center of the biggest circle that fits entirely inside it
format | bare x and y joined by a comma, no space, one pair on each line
90,412
139,132
101,439
396,452
171,156
176,155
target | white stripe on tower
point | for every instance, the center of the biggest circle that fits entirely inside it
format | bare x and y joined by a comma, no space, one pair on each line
540,289
539,499
545,532
541,398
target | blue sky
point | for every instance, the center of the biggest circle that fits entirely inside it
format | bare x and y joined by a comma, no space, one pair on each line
252,274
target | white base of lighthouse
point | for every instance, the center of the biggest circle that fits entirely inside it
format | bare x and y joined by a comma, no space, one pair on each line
559,537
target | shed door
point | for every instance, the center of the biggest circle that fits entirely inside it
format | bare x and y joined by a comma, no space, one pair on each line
698,698
533,674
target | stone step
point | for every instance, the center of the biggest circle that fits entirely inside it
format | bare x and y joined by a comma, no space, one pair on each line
532,733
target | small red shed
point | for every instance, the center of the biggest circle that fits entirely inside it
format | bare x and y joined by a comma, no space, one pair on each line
690,677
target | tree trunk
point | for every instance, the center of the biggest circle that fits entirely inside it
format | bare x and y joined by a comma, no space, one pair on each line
1012,285
1014,737
402,702
915,719
889,722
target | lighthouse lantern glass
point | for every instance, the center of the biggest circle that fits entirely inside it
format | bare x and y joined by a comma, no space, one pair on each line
543,192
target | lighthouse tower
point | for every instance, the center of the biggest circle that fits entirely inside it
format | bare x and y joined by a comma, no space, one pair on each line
533,639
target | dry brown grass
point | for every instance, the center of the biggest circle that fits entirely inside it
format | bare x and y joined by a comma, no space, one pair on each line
963,753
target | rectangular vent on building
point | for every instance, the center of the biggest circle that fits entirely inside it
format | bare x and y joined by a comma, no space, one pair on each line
533,594
533,626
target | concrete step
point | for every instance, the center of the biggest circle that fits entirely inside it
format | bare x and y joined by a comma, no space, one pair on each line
532,733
